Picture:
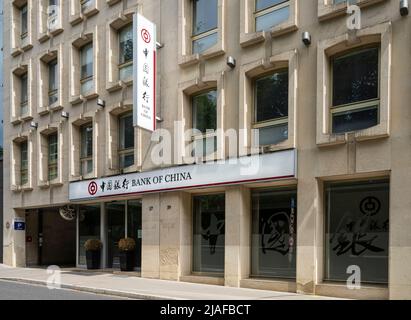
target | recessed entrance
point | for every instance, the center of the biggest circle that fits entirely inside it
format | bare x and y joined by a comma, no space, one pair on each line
50,239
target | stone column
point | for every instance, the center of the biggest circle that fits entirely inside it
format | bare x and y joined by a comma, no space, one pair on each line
237,235
150,263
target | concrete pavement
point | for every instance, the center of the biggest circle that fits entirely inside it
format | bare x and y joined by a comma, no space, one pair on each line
130,286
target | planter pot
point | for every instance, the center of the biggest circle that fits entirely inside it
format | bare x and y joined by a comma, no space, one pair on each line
93,259
127,261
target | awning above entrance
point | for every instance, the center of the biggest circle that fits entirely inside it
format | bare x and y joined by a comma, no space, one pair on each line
267,167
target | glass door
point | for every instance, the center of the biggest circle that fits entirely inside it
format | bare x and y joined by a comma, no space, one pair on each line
134,228
116,221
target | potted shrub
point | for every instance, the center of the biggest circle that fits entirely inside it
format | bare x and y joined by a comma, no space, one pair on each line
126,247
93,253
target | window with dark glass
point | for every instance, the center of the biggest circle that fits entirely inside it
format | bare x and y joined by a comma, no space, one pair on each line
126,143
86,61
274,228
53,82
85,4
271,107
357,230
53,14
24,163
355,90
89,227
24,97
205,24
270,13
86,152
204,111
52,156
126,52
209,233
24,21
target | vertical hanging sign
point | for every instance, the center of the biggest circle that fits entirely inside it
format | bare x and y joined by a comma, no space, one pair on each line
144,73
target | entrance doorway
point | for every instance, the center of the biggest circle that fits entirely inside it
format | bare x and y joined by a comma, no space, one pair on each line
50,239
124,218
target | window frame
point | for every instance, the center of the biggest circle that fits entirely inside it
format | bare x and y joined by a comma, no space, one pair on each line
24,103
122,152
272,122
270,9
203,34
88,78
24,9
24,170
126,63
353,106
55,92
209,133
86,158
51,165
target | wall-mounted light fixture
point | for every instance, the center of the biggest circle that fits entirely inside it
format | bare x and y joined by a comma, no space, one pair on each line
65,114
34,125
231,62
101,103
404,7
306,38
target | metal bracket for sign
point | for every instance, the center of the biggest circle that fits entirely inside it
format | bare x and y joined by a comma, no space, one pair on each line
159,45
159,119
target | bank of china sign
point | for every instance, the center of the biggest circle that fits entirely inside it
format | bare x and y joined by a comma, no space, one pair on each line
274,166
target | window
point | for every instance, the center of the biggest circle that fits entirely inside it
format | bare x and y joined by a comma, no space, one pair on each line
24,163
53,14
24,21
205,25
357,230
53,82
86,61
53,156
86,152
342,1
269,13
85,4
126,143
355,93
204,110
271,107
24,95
89,228
126,52
209,233
274,226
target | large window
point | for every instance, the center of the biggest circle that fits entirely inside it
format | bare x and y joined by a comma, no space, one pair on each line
209,233
24,21
355,93
24,163
126,52
53,82
86,61
85,4
52,156
86,152
271,107
274,216
357,230
205,25
205,121
89,228
24,97
126,143
269,13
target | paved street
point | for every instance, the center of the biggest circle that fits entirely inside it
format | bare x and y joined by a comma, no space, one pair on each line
18,291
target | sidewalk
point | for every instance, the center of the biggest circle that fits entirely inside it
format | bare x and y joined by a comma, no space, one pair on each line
133,287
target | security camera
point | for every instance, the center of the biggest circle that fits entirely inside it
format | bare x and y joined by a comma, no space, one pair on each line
404,7
306,38
231,62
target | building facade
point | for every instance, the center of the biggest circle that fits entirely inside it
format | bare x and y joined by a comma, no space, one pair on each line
325,121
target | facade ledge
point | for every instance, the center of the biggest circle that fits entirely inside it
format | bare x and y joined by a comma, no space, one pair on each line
26,118
112,2
20,188
43,37
27,47
217,280
249,39
76,100
327,10
367,292
286,285
76,19
16,52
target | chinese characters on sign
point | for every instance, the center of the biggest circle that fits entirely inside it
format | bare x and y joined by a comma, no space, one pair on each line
144,110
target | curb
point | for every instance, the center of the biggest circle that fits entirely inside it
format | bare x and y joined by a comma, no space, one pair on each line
109,292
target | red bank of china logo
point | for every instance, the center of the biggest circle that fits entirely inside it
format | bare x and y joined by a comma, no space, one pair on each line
146,36
92,188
